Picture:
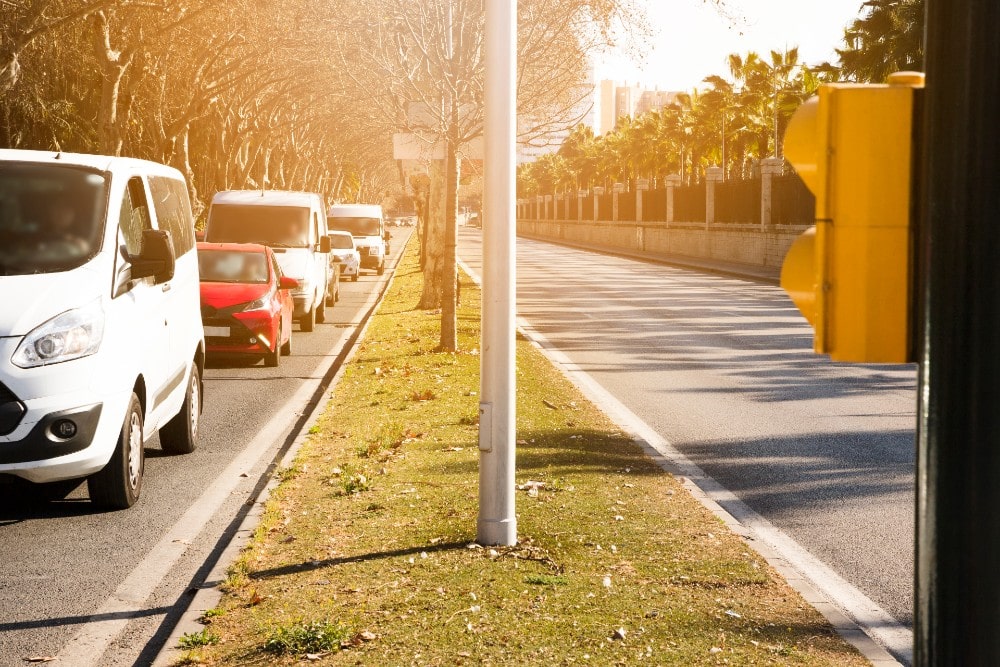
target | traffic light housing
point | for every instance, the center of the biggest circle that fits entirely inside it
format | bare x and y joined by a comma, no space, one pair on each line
852,275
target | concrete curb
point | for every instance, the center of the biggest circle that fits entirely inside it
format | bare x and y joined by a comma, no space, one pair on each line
208,594
733,270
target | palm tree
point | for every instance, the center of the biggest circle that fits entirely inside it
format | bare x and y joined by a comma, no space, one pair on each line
887,39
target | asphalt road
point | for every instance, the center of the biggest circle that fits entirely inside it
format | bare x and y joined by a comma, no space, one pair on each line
723,369
70,576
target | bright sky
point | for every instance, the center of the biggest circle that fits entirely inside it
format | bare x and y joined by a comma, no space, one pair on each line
691,39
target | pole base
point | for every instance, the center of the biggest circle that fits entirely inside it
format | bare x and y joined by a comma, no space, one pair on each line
496,532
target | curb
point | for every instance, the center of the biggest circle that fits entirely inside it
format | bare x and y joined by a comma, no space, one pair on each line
207,593
732,270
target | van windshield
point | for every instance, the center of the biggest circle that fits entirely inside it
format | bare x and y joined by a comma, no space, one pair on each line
51,217
356,226
275,226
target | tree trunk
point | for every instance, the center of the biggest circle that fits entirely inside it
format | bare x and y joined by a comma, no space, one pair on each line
433,239
113,67
449,317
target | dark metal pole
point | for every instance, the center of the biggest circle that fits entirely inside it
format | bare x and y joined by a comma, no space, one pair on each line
958,464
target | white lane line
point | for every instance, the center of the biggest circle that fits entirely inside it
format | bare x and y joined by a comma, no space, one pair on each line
873,620
94,637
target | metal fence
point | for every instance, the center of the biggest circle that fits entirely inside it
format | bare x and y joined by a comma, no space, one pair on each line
689,203
738,201
605,203
626,205
654,205
791,201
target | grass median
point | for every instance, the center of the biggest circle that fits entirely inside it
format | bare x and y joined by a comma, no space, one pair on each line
366,551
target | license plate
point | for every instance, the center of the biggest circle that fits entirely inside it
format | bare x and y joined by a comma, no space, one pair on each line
217,332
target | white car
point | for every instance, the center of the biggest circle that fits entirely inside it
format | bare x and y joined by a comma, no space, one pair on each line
101,341
366,224
343,252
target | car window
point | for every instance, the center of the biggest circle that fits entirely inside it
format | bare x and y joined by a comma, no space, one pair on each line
276,268
51,217
357,226
341,242
275,226
232,266
134,217
173,211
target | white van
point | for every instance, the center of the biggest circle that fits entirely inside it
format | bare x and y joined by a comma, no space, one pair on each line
101,340
367,226
293,225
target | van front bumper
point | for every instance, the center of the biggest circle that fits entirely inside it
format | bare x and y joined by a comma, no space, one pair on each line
56,434
59,435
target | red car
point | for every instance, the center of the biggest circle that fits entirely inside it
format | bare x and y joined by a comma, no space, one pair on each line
246,304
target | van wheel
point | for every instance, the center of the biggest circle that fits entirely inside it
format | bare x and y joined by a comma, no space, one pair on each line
381,268
308,321
118,485
355,277
180,434
321,310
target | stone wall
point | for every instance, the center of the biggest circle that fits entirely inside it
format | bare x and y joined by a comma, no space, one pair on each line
739,244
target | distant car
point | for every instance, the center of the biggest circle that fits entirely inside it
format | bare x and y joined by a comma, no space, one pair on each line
246,302
366,223
343,252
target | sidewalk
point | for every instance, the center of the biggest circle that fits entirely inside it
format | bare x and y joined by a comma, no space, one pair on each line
365,554
763,274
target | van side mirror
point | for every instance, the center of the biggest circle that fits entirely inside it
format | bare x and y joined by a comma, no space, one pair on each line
324,244
156,258
387,235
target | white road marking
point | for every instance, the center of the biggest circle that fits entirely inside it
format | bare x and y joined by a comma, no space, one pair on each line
873,620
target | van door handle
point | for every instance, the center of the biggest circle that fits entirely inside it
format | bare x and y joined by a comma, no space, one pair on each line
166,287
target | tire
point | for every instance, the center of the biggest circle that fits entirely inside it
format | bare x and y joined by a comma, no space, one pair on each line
271,359
354,278
381,268
180,434
308,321
119,484
286,349
321,310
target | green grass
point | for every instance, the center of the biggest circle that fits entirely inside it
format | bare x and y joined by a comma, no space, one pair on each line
306,637
192,640
616,563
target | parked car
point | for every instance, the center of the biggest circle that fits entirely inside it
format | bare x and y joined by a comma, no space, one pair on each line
366,224
292,224
343,252
100,335
246,302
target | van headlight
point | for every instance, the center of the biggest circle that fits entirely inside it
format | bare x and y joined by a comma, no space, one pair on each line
74,334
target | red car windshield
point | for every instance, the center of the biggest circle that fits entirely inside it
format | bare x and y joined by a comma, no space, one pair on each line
232,266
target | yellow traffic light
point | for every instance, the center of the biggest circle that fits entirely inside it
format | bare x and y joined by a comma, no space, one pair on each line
852,275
